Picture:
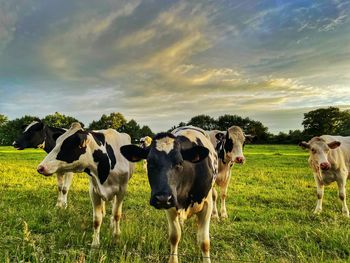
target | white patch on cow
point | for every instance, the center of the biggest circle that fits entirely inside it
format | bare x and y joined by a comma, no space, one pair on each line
165,144
30,125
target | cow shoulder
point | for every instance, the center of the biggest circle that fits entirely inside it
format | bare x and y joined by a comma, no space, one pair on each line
103,166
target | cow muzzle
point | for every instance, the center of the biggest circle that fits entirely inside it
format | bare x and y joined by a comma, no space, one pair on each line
239,159
42,169
17,146
162,201
325,166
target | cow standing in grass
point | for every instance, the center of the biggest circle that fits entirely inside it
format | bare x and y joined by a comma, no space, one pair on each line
330,162
182,167
98,155
229,146
39,135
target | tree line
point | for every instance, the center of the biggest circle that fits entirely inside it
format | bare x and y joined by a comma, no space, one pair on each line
11,129
329,120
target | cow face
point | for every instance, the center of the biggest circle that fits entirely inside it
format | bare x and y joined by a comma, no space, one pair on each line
230,145
32,137
167,165
69,154
319,152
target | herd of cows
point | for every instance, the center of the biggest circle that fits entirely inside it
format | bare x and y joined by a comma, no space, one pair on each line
184,169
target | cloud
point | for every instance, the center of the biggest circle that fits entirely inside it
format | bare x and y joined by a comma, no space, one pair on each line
164,62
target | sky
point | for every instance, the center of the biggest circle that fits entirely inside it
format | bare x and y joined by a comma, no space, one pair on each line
162,62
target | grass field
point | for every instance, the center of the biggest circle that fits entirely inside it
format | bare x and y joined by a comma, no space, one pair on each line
270,204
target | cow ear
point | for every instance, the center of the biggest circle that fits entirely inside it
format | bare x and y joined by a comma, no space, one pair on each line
195,154
334,145
304,145
83,140
134,153
249,138
220,136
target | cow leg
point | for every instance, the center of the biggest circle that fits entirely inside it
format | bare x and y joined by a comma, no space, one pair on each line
67,181
223,212
117,214
174,234
97,206
342,196
320,192
215,209
60,182
203,229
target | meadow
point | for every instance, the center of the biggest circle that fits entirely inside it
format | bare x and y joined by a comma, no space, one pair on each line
270,203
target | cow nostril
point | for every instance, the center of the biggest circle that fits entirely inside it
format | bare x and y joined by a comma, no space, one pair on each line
41,169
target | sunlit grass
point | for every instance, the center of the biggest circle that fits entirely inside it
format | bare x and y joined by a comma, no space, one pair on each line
270,204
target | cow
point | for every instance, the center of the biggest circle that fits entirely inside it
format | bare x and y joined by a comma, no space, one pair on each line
182,166
330,162
229,147
39,135
98,155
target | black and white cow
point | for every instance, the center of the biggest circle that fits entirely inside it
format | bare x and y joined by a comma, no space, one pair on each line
98,155
182,167
229,146
39,135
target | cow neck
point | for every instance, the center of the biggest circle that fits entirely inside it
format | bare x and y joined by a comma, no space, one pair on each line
49,142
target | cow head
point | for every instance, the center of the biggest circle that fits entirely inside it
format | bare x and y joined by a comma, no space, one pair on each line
69,154
167,163
230,145
319,152
33,136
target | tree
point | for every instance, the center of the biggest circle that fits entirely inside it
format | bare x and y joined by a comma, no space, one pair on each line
344,128
146,131
203,121
59,120
322,121
10,130
249,126
115,120
3,119
133,129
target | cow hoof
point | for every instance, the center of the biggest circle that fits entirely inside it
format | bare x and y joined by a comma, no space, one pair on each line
215,216
224,216
317,211
61,205
95,244
346,213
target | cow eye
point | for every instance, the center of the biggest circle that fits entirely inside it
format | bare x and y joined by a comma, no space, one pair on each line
313,150
179,165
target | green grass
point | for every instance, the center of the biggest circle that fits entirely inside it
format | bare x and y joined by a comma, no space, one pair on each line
270,204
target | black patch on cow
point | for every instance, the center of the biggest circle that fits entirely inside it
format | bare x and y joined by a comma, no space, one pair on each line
103,167
228,143
220,151
72,148
111,155
99,138
87,171
163,135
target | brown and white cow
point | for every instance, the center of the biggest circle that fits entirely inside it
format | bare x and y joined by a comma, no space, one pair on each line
330,162
98,155
182,167
229,147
